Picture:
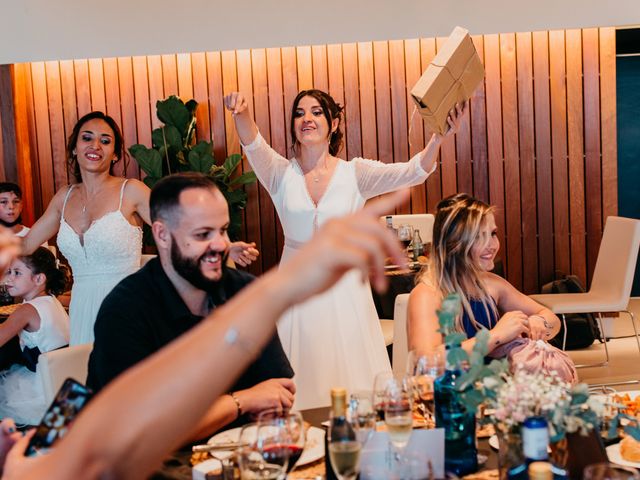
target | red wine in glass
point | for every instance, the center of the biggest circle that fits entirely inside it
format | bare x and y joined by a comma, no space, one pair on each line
278,454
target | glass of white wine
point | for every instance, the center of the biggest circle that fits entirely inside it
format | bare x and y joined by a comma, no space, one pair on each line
398,416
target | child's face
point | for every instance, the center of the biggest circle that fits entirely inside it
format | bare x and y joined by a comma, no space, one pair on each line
19,279
10,207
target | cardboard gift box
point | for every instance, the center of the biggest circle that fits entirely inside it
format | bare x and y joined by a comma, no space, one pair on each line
451,77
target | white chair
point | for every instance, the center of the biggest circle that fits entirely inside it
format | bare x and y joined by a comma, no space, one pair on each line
387,331
56,366
400,342
612,280
420,221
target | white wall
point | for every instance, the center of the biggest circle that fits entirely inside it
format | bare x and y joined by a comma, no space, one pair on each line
65,29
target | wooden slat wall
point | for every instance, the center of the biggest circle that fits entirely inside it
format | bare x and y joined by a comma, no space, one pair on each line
539,140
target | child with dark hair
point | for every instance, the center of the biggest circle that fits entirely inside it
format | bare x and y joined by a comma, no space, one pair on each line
42,325
11,208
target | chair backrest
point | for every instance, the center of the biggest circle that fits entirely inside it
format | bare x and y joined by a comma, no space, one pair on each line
421,221
400,347
616,263
56,366
144,258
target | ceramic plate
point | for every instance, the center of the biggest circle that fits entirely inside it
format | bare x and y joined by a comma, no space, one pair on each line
313,448
613,452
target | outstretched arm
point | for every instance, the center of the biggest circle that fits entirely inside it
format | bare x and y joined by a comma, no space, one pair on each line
47,225
237,104
141,418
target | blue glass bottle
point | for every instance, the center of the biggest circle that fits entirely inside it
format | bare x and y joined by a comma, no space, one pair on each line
460,450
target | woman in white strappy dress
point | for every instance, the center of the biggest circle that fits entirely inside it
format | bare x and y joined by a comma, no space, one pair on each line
334,338
98,220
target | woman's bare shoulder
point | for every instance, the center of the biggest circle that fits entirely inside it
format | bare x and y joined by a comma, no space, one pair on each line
425,290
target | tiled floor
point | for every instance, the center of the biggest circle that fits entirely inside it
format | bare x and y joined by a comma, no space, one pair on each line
624,363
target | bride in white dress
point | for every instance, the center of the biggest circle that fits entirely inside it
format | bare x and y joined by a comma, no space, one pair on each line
333,339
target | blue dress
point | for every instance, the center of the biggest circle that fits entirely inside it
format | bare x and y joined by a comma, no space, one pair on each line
488,321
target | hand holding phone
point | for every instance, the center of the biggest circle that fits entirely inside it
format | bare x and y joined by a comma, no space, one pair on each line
55,423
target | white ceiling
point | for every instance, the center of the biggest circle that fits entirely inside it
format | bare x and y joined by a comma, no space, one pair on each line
63,29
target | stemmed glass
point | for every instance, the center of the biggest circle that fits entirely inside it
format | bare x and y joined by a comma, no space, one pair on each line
261,456
405,235
423,368
398,415
361,415
379,388
293,424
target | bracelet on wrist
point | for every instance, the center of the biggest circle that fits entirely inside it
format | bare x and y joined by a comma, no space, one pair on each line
235,399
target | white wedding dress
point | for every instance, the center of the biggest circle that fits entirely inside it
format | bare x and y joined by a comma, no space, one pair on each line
108,251
333,339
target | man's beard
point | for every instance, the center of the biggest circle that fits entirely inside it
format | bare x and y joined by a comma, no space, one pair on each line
189,268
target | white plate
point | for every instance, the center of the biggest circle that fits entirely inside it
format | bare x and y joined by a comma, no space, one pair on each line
313,448
613,452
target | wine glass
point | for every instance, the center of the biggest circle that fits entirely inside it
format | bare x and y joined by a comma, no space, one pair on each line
379,388
293,423
362,415
424,368
261,455
405,235
398,416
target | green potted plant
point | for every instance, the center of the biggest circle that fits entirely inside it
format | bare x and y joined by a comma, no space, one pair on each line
176,149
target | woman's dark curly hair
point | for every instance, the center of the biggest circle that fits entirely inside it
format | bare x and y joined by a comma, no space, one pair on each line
43,261
331,110
73,140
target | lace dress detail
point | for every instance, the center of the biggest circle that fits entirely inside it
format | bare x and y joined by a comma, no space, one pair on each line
108,251
335,337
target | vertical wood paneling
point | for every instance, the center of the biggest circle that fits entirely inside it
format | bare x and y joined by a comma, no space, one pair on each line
513,229
576,154
543,156
593,172
557,73
526,135
538,140
608,122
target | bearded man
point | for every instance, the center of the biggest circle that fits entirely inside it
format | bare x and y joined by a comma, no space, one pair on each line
172,293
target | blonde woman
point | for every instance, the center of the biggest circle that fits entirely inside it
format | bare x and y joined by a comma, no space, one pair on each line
465,245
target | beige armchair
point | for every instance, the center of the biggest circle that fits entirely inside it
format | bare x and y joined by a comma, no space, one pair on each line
400,342
56,366
612,279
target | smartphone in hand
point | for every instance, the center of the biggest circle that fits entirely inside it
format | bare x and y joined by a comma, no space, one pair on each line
69,400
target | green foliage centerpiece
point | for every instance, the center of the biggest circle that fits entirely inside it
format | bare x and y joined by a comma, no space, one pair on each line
175,149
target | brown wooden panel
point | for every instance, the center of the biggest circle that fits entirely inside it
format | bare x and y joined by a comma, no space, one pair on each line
593,188
142,102
526,134
69,101
336,85
8,154
169,75
320,72
447,155
494,134
544,180
128,107
383,101
230,84
41,111
478,120
305,68
558,92
367,101
415,134
576,154
608,122
276,118
96,83
83,91
513,230
56,124
156,87
352,100
433,183
399,107
290,87
112,100
201,95
267,223
216,106
185,79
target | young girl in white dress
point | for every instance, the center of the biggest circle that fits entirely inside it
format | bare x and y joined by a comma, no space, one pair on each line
333,339
42,325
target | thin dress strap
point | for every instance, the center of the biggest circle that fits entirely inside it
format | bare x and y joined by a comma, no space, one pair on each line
66,197
122,193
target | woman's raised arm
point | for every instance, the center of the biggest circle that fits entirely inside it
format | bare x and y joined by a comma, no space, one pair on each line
237,104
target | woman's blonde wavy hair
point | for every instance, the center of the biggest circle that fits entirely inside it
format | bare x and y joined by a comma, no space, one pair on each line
457,225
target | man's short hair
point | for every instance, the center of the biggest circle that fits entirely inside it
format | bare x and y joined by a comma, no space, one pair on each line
165,195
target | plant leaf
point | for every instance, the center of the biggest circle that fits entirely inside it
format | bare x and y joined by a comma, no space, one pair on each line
200,163
231,163
149,160
244,179
173,112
